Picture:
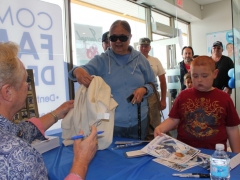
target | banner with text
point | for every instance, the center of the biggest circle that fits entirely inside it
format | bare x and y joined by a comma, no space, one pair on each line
37,27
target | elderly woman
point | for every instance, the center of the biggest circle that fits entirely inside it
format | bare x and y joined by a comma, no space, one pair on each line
19,160
127,72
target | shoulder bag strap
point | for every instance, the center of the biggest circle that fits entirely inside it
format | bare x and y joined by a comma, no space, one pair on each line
156,94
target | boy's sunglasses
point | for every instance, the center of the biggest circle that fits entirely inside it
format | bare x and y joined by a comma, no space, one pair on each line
121,38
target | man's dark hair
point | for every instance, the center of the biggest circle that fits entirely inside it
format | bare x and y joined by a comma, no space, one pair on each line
189,48
105,36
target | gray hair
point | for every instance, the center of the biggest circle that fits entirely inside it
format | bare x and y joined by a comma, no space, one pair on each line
122,23
10,66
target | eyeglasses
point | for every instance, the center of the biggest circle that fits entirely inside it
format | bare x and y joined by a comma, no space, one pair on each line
121,38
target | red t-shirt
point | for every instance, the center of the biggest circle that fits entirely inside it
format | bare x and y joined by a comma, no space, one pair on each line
204,117
187,67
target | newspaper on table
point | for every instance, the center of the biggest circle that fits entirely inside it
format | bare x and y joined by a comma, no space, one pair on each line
206,161
170,149
200,159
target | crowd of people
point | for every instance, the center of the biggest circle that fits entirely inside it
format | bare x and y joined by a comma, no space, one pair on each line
203,113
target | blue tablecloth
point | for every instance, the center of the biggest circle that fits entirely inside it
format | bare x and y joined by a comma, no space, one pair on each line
111,164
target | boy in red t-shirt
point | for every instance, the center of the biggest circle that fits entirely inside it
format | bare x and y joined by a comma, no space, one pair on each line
204,115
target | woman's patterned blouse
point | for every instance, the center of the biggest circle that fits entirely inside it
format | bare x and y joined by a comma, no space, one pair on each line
18,159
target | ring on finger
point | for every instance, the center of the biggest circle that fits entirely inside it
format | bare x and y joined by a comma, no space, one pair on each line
134,101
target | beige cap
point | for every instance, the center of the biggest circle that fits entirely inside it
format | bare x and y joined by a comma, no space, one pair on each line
144,41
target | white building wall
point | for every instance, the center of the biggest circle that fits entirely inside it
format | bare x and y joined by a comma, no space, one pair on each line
216,17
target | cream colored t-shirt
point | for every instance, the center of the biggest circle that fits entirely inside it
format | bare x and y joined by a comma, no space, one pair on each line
156,66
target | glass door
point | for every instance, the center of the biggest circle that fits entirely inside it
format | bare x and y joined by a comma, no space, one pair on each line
163,48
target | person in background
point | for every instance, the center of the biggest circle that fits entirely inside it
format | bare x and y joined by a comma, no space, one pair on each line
156,65
184,66
187,54
223,64
127,72
105,41
195,56
229,48
19,160
205,115
188,80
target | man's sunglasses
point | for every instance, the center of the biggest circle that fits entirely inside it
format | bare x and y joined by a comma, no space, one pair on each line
121,38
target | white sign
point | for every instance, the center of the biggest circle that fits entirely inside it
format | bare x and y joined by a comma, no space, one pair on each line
88,41
37,27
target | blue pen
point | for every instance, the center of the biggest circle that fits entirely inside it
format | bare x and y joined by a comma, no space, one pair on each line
82,136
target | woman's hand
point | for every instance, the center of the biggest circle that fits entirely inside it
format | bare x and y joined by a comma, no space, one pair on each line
84,151
62,110
50,118
82,76
138,95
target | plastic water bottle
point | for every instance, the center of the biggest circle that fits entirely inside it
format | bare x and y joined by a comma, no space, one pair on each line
219,164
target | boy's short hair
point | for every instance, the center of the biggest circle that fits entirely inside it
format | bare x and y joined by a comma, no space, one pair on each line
204,61
187,76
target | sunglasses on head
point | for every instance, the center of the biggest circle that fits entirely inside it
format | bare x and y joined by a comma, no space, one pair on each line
121,38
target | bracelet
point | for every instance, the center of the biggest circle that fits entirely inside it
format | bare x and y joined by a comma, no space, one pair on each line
55,116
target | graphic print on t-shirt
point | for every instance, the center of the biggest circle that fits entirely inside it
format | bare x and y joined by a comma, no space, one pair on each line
202,117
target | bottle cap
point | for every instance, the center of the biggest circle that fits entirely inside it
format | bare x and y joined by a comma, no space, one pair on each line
219,146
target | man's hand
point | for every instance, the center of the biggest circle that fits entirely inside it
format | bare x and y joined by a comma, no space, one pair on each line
227,90
163,104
